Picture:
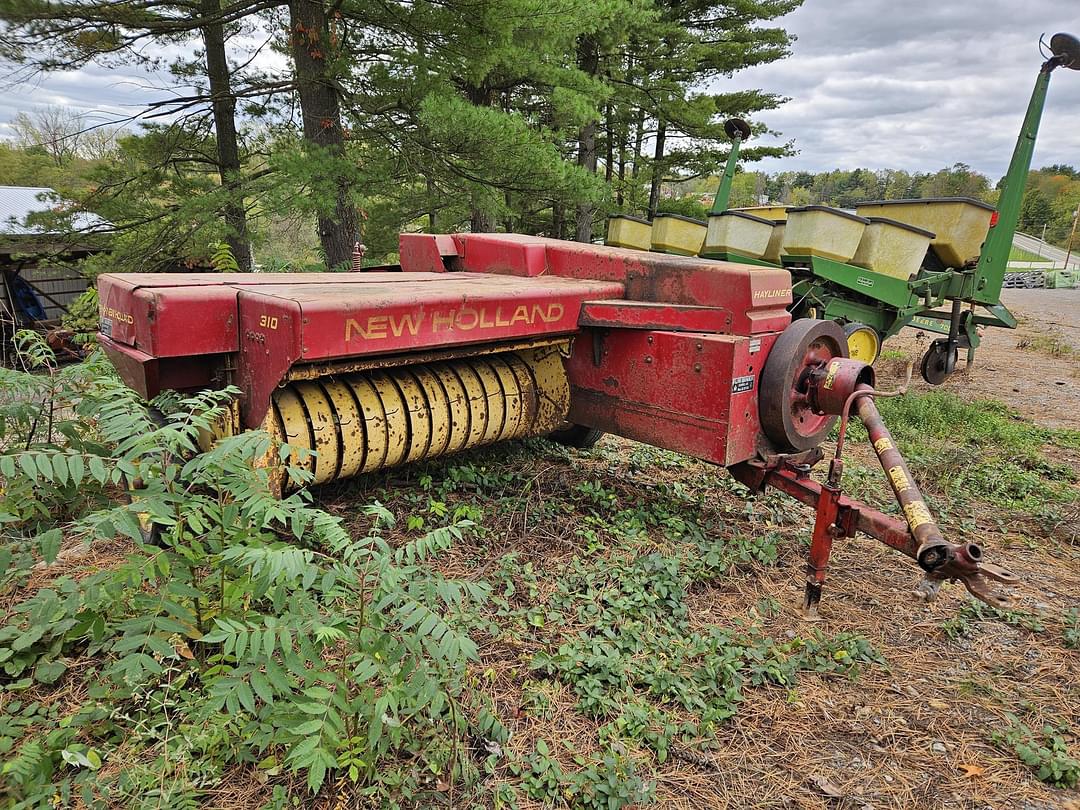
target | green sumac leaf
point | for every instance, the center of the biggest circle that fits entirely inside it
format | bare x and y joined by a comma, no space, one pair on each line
307,727
59,466
262,687
77,468
49,543
29,468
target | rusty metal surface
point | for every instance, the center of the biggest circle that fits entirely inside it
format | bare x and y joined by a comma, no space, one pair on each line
788,417
650,315
187,314
930,544
342,325
757,297
690,392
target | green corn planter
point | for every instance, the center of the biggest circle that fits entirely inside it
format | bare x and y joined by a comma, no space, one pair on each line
817,230
776,242
892,248
960,223
737,232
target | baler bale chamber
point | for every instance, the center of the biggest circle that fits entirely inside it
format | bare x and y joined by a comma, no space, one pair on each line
480,338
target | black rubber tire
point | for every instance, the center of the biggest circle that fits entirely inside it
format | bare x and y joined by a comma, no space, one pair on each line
579,436
781,371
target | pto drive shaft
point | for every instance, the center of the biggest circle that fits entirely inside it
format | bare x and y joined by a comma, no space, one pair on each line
940,559
835,387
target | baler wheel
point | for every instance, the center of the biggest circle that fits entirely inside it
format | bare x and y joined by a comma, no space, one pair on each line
786,416
580,436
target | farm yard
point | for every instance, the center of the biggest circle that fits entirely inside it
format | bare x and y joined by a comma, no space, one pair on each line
532,625
507,405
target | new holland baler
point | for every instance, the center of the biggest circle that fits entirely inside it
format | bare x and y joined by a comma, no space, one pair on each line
481,338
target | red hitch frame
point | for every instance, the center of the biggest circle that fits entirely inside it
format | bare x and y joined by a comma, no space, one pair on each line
835,387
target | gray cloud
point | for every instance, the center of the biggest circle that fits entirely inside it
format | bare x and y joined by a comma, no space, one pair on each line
917,85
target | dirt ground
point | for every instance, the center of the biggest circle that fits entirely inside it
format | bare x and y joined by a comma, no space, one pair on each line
1039,385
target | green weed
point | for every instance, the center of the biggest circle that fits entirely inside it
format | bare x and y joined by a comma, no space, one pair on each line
1054,345
1070,631
1045,752
960,623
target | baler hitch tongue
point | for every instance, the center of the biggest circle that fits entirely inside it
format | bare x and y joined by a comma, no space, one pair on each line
814,383
964,563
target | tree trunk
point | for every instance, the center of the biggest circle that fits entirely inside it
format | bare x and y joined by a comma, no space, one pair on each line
609,167
624,137
320,109
588,61
657,167
587,160
433,213
482,219
639,138
557,219
223,104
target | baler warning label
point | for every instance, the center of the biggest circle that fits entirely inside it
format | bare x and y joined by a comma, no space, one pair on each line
105,327
917,514
740,385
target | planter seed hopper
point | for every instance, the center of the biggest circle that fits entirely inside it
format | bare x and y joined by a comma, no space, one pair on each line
937,264
481,338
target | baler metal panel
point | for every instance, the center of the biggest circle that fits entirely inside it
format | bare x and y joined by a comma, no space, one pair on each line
283,326
757,297
690,392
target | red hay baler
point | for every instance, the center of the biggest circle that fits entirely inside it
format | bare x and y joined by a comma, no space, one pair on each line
479,338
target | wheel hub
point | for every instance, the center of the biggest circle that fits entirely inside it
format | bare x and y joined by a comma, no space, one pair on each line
788,417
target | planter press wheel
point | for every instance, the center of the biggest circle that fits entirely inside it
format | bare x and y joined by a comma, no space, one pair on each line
786,417
938,362
863,342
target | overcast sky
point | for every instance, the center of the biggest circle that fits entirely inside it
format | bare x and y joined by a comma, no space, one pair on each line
918,84
906,84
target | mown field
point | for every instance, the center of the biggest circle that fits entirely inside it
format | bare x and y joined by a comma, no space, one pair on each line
524,626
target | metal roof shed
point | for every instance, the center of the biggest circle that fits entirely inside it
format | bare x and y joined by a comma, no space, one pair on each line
40,242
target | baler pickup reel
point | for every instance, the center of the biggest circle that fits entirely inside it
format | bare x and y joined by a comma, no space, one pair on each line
481,338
